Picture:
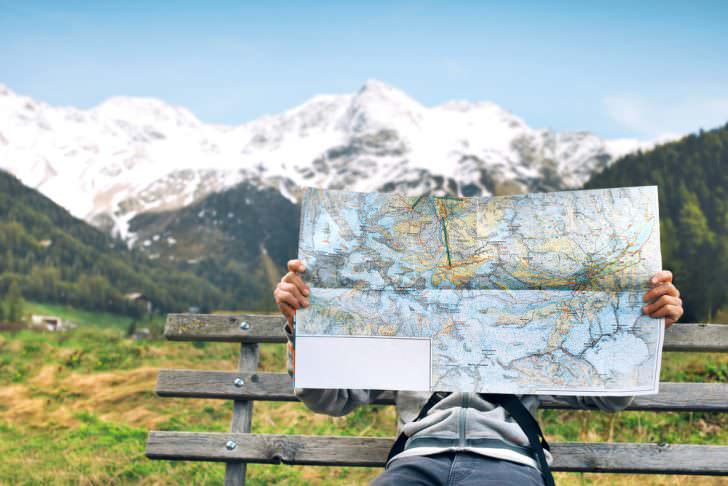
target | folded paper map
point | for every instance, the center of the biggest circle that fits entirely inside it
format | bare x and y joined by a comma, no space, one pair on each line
525,294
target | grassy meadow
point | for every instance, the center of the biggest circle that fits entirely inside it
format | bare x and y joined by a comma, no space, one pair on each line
75,408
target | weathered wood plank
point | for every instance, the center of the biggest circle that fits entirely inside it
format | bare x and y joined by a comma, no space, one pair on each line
221,384
268,448
695,397
678,397
370,451
696,337
269,328
242,414
252,328
641,458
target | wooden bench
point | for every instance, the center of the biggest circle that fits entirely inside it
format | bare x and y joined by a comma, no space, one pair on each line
239,446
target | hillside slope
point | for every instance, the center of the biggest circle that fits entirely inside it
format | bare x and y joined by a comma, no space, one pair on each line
692,177
56,257
238,239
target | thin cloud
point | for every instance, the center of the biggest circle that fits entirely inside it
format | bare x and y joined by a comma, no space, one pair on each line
666,119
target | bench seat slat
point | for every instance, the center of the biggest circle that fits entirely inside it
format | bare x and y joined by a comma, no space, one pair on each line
370,451
712,397
269,328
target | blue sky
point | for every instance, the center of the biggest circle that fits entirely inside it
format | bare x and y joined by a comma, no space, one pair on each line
635,69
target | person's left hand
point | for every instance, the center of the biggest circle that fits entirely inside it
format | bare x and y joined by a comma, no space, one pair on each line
663,299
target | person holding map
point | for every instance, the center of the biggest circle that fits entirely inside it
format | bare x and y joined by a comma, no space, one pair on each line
462,438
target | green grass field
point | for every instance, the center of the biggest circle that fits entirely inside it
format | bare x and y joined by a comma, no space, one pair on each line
75,408
82,317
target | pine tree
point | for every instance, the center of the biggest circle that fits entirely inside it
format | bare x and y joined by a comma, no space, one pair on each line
15,303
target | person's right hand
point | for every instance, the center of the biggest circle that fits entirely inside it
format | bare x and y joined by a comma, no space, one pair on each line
291,293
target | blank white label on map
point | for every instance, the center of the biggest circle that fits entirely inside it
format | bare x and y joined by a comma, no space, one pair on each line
363,362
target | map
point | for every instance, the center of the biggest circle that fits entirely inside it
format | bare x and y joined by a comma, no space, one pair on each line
538,293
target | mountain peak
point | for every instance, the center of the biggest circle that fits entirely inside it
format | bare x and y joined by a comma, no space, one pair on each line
378,105
374,89
375,85
145,110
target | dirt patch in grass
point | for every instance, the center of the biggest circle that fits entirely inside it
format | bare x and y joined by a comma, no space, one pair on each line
47,399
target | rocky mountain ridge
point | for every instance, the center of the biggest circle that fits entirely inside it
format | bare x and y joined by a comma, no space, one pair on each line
128,156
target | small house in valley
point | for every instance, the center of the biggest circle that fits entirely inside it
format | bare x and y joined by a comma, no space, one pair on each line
51,323
141,300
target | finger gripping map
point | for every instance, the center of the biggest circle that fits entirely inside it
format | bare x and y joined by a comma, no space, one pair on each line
528,294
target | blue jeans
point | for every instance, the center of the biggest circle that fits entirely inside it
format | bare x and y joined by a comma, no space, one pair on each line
457,468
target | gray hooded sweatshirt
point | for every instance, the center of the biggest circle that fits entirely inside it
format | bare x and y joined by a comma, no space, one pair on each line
460,421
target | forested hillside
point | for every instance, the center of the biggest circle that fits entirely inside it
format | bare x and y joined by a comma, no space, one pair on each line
692,177
54,257
238,239
227,250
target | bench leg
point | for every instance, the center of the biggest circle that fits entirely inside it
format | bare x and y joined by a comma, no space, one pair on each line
242,414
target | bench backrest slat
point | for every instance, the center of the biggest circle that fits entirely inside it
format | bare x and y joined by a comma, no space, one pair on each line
257,328
695,397
251,328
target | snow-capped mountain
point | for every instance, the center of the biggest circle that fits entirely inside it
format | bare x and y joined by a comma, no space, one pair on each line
131,155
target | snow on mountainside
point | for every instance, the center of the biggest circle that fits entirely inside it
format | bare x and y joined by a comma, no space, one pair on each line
131,155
